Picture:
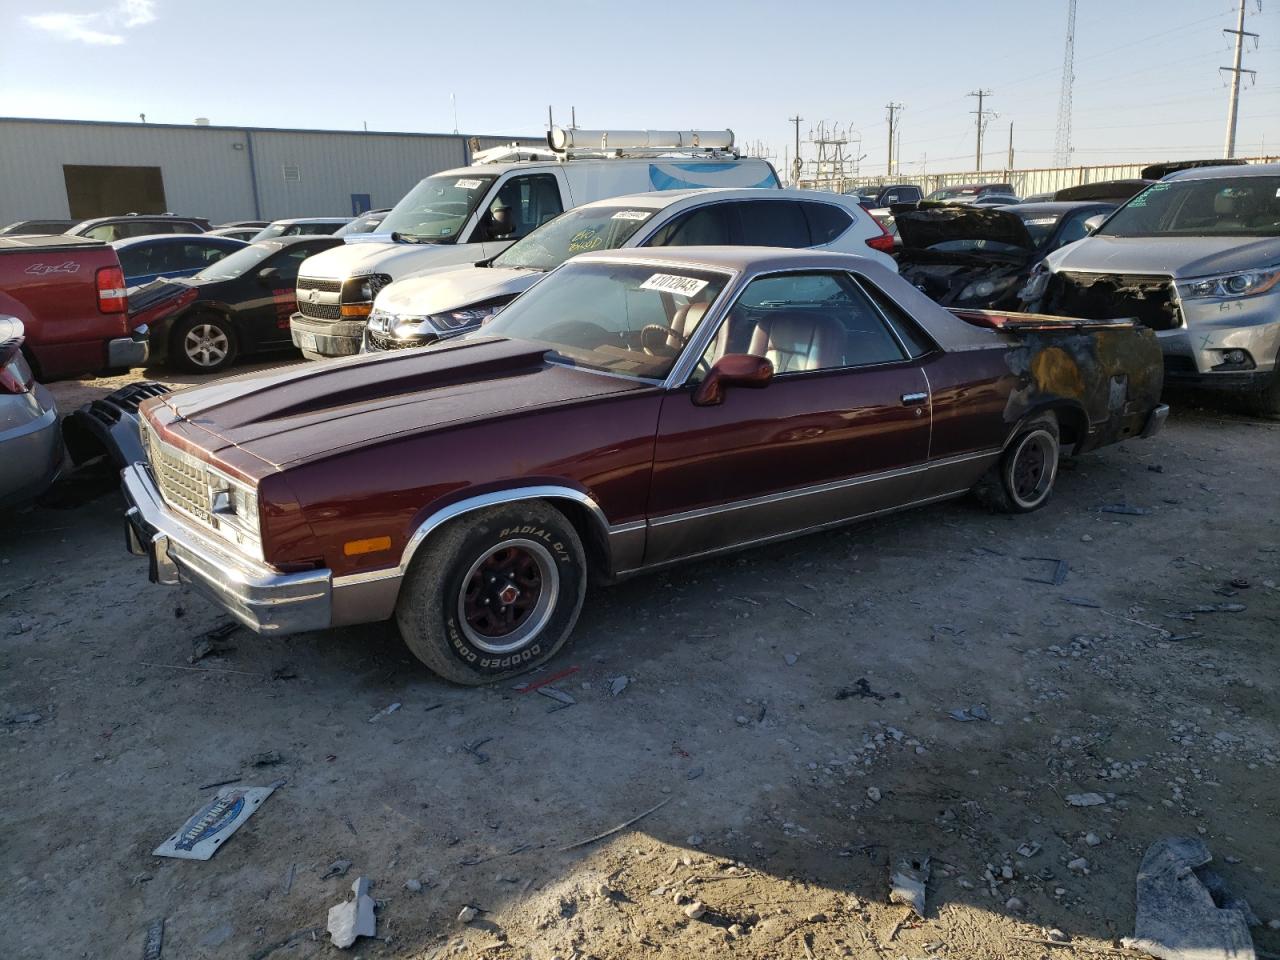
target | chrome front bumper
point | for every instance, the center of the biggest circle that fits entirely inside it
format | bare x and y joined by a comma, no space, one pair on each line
178,551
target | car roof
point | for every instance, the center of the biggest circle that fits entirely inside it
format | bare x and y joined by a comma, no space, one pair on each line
169,237
737,259
1056,206
1227,173
135,217
311,220
661,199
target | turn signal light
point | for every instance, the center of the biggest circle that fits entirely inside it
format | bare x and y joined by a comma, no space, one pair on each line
354,548
355,309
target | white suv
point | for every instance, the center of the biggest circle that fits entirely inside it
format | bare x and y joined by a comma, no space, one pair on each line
448,301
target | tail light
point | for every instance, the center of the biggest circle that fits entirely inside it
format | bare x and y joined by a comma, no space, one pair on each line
15,375
111,290
884,242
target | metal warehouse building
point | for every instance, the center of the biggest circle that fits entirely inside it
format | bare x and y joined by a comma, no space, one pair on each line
81,169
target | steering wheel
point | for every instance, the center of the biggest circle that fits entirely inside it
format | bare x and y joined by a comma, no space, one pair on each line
656,339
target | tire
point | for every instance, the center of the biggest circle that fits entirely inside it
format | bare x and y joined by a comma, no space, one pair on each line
1267,403
446,610
203,343
1022,481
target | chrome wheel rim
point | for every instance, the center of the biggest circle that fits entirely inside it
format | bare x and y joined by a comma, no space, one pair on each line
1033,468
508,595
206,345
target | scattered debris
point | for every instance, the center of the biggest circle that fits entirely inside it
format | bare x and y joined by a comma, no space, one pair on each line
467,914
413,885
1178,917
1125,509
288,878
386,711
695,910
528,686
1029,850
1092,839
1078,865
873,794
353,918
617,685
219,783
1056,578
694,773
965,715
558,695
473,748
1081,602
790,659
620,827
1086,799
268,758
338,868
1014,905
800,608
31,717
153,943
210,643
860,688
210,826
907,880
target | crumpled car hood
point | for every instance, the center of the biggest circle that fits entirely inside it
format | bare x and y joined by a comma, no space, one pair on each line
924,227
1180,257
308,411
453,288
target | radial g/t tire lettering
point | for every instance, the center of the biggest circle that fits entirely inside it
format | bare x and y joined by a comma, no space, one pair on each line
494,593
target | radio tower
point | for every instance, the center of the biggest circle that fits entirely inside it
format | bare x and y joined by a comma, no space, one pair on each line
1062,140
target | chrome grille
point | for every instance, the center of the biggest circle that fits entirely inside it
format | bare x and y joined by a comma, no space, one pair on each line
183,481
324,286
319,311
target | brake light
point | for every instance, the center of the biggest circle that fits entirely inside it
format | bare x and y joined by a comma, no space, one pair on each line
111,290
14,379
883,243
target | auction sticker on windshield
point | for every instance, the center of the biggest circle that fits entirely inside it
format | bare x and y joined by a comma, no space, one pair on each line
633,215
671,283
468,184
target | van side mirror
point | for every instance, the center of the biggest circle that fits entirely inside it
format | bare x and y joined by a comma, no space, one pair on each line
733,369
1094,222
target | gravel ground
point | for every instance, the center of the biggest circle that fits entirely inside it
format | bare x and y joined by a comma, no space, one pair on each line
787,708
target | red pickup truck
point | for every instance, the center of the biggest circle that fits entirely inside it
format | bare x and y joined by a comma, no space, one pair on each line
69,293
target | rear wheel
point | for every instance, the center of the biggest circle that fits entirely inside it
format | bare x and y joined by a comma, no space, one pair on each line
494,593
1023,479
203,343
1267,403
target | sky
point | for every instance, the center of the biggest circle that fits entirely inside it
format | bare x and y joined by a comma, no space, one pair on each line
1147,82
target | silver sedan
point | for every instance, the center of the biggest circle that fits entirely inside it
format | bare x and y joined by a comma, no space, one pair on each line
30,437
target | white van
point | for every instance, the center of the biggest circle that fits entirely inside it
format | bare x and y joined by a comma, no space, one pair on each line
472,213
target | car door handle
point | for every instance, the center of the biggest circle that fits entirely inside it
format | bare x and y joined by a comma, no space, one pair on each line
911,399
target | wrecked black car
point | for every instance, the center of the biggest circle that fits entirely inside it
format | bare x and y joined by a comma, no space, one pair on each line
979,257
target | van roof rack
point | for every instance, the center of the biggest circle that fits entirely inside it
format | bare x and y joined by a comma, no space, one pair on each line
569,143
510,152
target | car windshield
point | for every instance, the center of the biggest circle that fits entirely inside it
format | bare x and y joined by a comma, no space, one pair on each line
1218,207
240,262
578,231
1039,225
616,317
952,193
363,224
276,229
437,208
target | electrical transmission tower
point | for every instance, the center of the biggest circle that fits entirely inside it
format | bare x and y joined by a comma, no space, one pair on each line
1062,139
1235,71
833,165
983,116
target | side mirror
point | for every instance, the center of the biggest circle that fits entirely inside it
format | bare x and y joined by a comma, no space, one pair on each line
268,275
1094,222
733,369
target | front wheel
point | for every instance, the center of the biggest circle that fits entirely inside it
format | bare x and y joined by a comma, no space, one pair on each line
204,343
494,593
1022,480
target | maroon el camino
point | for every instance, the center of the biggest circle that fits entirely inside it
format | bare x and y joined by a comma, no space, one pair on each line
633,409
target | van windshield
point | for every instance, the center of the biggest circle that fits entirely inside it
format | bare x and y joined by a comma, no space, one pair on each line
578,231
437,208
1217,207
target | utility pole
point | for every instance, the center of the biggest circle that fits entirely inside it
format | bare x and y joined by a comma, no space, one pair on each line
1010,164
795,162
1235,71
893,109
981,115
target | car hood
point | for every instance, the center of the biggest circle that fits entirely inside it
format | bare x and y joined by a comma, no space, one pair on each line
371,256
923,227
1179,257
309,411
453,288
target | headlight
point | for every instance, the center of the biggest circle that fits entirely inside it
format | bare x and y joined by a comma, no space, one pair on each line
233,507
1247,284
406,327
985,288
1036,284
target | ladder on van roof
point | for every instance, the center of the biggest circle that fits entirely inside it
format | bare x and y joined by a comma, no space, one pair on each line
572,143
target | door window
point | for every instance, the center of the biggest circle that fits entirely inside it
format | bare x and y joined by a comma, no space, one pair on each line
712,225
805,322
908,331
1073,228
288,262
773,223
195,256
522,205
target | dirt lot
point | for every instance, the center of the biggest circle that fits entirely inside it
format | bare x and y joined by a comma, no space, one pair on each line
788,707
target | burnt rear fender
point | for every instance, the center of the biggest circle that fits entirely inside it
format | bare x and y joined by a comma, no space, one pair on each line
1102,383
109,426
